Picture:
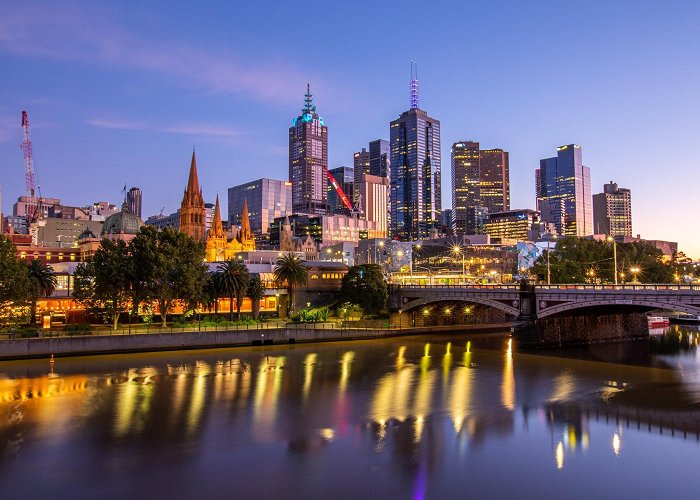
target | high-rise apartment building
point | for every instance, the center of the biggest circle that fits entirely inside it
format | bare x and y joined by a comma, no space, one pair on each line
345,178
373,191
308,158
415,172
563,188
465,186
494,180
133,201
612,211
267,200
360,167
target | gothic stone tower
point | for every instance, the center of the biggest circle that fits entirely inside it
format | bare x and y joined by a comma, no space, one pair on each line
192,211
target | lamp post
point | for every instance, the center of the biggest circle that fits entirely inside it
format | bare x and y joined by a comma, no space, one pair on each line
549,273
635,271
457,250
610,238
418,247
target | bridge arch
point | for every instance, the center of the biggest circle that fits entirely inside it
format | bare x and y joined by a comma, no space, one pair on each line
513,311
650,303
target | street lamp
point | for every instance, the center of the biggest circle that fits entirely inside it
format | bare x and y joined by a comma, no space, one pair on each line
610,238
549,273
458,251
635,271
418,247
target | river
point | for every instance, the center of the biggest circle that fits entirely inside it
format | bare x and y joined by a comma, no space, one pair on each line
445,416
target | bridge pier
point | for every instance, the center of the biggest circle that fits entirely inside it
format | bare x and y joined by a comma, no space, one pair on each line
589,327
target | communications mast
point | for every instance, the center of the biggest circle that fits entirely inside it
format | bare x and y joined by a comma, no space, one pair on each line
26,146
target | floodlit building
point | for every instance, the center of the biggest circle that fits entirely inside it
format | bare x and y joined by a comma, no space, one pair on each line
612,211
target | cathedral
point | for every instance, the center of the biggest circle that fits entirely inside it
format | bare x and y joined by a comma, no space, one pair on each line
220,244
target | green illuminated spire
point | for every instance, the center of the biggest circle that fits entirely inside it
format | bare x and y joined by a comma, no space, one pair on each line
308,101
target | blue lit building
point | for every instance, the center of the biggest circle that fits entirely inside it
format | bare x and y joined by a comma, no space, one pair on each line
563,187
415,173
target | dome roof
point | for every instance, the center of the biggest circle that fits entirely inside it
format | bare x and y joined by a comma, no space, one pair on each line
123,222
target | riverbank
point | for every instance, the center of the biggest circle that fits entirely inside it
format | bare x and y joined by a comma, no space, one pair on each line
125,343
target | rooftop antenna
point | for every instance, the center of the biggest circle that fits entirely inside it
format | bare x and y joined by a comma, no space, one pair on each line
414,85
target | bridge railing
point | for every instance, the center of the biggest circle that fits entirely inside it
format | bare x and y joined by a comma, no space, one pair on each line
564,286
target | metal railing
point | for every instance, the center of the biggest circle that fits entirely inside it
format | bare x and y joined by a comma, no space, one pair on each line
563,286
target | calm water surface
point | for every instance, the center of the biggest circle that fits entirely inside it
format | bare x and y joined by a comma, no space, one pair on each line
446,417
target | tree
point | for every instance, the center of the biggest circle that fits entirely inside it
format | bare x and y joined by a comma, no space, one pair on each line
42,283
235,279
256,292
364,286
103,284
291,272
166,267
14,283
580,260
212,292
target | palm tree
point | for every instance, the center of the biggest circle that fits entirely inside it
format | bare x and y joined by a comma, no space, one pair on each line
42,283
290,271
234,282
211,293
256,292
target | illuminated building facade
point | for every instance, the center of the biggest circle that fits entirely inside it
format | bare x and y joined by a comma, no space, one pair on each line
511,224
612,211
267,200
219,247
361,166
563,188
308,156
192,209
465,186
415,175
346,179
494,180
373,191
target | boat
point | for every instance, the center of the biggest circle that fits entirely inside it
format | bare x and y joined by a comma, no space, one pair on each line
686,319
657,321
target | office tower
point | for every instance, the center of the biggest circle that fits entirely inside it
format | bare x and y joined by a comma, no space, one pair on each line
511,224
308,159
379,154
494,180
267,199
192,209
447,222
612,211
133,201
373,191
563,188
360,167
465,187
415,172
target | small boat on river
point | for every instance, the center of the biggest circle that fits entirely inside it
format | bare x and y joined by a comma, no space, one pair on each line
657,321
686,319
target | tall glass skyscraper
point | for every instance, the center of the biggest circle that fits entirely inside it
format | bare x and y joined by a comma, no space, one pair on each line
344,176
308,156
379,155
267,199
360,167
415,172
465,186
494,180
563,187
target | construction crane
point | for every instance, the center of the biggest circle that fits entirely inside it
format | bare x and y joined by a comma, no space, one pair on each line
29,170
338,189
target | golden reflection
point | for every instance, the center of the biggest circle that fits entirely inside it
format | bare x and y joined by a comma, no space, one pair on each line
559,455
345,363
309,363
584,440
425,360
391,396
446,363
508,384
564,385
573,441
40,387
461,392
267,390
401,358
469,346
327,434
199,388
418,428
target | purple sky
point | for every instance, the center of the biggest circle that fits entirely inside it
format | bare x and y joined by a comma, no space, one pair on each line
120,92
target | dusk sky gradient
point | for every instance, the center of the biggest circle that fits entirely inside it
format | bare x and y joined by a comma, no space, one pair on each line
119,92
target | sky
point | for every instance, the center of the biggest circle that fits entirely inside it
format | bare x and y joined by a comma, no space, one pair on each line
119,92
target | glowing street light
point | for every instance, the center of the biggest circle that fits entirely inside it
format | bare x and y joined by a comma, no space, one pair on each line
610,238
635,271
458,251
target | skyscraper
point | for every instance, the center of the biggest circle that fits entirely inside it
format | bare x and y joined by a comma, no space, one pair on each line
267,199
494,180
133,201
192,209
373,189
415,172
379,155
563,188
308,157
360,168
465,186
612,211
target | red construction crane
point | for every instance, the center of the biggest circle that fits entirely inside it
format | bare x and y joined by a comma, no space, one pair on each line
26,147
338,189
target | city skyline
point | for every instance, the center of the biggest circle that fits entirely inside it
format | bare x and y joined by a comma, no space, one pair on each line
106,112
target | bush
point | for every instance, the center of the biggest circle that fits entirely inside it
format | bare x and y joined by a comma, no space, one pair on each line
310,316
77,329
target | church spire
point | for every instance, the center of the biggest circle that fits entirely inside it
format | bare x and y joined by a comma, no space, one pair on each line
217,228
245,221
193,181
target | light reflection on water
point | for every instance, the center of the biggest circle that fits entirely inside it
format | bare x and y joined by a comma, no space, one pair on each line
394,418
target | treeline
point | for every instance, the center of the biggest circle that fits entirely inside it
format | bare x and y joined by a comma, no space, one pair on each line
579,260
